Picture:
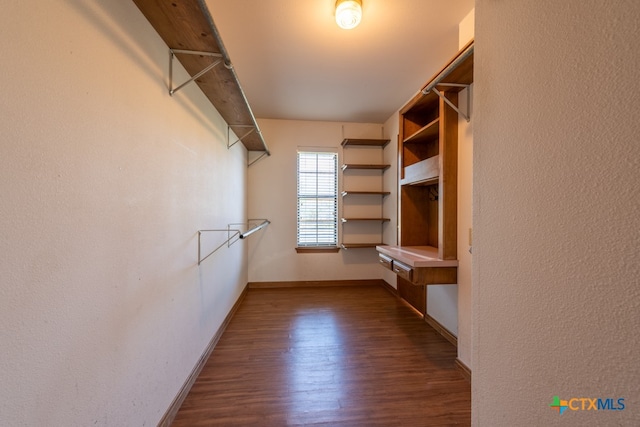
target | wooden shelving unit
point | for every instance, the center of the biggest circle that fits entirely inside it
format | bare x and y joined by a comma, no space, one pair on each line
362,194
428,177
187,26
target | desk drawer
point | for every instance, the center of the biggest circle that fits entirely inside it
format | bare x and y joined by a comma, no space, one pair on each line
402,270
385,261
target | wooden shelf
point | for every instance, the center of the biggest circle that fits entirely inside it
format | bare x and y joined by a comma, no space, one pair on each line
425,172
359,245
365,167
364,213
462,74
185,25
428,132
365,193
365,142
366,219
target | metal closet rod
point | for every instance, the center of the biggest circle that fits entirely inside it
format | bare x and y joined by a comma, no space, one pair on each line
255,228
232,233
228,65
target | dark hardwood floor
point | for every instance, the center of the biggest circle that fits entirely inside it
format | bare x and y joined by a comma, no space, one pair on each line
333,356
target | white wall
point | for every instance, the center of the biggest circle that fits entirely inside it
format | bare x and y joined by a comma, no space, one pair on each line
390,203
105,180
556,213
272,195
465,205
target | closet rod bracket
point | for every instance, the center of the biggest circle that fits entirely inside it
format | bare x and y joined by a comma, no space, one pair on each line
466,115
233,235
208,68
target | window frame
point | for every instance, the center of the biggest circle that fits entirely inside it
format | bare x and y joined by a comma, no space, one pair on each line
317,246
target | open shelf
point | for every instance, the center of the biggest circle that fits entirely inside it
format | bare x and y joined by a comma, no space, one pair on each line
365,193
186,25
359,245
457,72
363,167
366,219
365,142
362,214
427,132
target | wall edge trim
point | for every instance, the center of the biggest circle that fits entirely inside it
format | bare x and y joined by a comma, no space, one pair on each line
389,288
464,369
441,330
314,283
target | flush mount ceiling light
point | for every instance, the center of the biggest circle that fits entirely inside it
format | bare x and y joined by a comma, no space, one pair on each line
348,13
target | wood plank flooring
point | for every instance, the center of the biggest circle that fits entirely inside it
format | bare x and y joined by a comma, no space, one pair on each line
335,356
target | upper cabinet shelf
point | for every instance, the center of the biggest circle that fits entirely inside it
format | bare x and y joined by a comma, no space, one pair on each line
429,131
186,26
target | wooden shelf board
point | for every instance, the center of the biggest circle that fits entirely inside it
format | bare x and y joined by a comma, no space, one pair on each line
182,24
428,132
365,142
369,167
365,193
463,74
359,245
365,219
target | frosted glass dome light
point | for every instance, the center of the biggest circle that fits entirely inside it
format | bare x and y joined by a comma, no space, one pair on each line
348,13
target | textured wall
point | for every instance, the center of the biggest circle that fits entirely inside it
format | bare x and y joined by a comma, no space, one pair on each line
104,181
556,211
465,208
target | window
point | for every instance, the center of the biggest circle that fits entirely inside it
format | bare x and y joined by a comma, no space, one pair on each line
317,200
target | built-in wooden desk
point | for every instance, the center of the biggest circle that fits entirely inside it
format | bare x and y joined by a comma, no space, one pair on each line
419,265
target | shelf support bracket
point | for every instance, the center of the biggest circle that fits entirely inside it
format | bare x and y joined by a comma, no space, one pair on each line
208,68
251,130
466,114
264,153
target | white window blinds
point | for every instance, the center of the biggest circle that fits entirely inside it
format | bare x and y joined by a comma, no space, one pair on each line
317,199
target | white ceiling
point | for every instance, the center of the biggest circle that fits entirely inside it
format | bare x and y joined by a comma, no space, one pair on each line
295,63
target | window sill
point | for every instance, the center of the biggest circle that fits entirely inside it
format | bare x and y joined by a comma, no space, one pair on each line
316,249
